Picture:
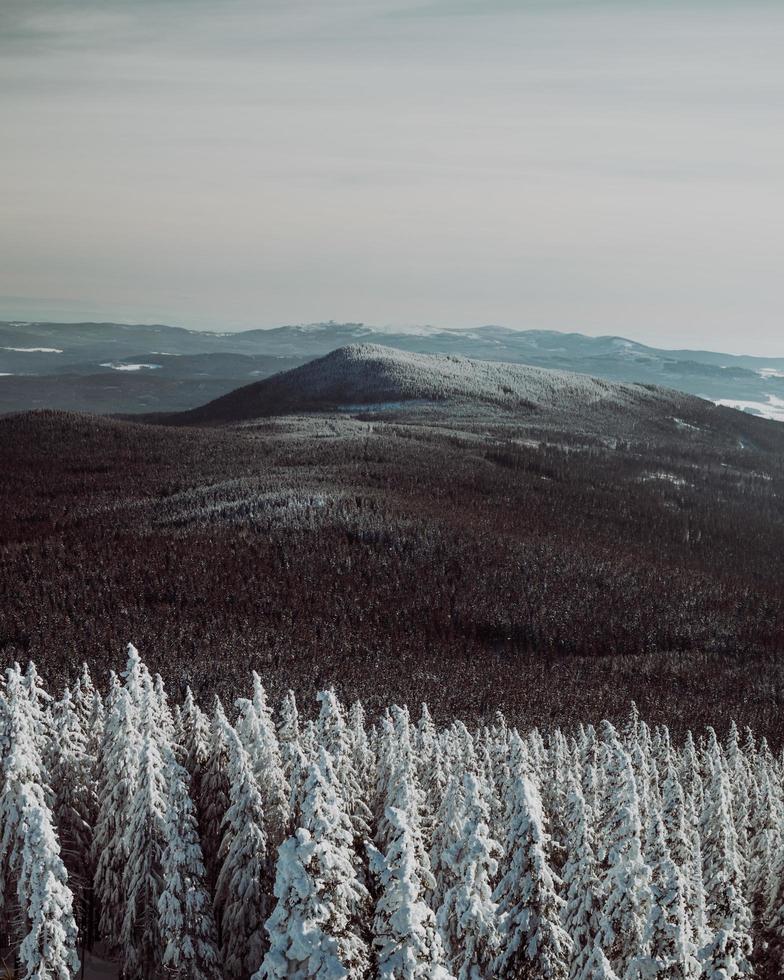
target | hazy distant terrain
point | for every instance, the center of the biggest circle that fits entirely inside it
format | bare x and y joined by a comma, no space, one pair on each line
110,368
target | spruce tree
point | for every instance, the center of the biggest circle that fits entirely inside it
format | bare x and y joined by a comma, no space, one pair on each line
534,944
317,927
240,894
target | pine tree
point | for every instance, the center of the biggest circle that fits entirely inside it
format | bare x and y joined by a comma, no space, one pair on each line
726,954
316,929
185,918
670,950
581,885
626,890
29,849
212,800
145,833
75,804
406,940
49,947
468,917
240,896
534,945
119,767
256,730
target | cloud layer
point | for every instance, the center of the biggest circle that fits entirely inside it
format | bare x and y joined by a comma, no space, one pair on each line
607,167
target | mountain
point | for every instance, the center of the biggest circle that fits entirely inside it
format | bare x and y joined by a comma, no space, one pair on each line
110,367
381,379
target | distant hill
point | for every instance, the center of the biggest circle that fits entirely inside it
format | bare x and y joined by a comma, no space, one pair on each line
109,367
371,376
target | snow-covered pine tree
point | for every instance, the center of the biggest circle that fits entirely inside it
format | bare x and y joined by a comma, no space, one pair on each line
430,772
75,804
119,768
195,739
145,834
212,800
317,929
726,954
581,885
534,944
49,947
288,732
447,832
597,966
186,923
259,738
468,917
405,936
626,889
362,757
32,873
334,736
240,897
670,952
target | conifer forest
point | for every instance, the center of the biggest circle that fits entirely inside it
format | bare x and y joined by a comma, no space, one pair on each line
175,840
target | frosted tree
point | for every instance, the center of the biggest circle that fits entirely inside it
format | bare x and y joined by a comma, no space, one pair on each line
288,732
581,886
430,772
145,833
119,776
362,756
446,836
405,937
468,917
240,896
75,804
317,927
597,966
40,709
29,849
256,730
49,947
194,729
534,944
335,737
185,918
727,951
669,947
212,799
626,889
765,844
23,782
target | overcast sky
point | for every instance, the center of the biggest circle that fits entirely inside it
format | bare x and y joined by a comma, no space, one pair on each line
607,167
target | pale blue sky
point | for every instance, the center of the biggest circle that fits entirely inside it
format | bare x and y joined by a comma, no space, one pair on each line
609,167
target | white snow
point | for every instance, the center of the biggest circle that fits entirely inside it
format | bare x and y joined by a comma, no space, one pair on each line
130,367
773,408
34,350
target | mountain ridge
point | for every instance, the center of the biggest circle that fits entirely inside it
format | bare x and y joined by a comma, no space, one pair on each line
142,368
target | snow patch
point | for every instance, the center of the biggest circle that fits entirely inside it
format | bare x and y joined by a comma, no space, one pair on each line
130,367
773,408
34,350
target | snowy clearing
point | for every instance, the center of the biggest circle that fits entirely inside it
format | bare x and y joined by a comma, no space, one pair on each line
773,408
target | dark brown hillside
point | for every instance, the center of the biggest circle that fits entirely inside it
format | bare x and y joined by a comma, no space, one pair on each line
549,575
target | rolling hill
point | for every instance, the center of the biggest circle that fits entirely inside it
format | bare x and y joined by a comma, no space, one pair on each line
370,376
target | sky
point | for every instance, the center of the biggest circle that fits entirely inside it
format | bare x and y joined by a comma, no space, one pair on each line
604,166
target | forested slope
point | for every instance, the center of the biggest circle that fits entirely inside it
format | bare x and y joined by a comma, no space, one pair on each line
551,574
